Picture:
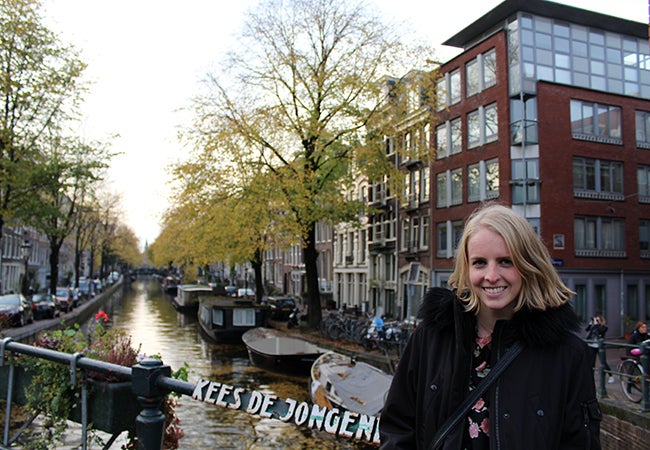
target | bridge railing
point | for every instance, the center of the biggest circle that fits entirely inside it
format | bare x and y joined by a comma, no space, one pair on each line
151,382
640,379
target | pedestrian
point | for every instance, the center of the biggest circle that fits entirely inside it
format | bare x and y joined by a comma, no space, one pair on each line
596,330
505,293
639,335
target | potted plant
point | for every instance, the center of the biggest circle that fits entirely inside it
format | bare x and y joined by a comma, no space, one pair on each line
51,393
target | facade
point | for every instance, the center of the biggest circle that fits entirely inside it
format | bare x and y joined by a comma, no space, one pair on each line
12,259
548,110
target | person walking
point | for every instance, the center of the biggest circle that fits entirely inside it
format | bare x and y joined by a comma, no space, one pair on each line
506,294
596,330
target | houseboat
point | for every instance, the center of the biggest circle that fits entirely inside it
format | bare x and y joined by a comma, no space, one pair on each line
187,298
226,319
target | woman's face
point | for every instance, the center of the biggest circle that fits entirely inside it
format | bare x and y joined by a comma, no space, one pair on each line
492,274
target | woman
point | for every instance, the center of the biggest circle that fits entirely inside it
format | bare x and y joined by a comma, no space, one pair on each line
639,335
596,330
505,290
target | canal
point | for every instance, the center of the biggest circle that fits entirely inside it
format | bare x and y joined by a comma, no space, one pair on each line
149,317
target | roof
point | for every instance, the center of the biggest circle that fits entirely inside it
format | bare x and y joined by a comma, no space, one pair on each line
496,17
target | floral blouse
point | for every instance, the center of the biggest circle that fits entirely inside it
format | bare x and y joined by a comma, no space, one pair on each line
478,424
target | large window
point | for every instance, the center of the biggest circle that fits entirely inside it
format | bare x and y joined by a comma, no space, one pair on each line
448,90
594,121
643,183
447,238
599,236
643,129
483,180
449,138
644,238
480,73
449,188
595,178
482,126
525,181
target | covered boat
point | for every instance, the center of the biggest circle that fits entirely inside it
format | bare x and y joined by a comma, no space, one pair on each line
340,381
276,351
226,319
187,298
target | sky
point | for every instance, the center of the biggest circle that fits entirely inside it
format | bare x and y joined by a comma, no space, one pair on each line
147,58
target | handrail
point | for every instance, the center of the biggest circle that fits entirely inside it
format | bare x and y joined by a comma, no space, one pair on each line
603,345
151,382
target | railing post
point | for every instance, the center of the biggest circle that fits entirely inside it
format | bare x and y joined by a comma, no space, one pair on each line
150,423
645,381
602,354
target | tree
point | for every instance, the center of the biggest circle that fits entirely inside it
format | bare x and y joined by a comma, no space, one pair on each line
63,175
40,88
305,86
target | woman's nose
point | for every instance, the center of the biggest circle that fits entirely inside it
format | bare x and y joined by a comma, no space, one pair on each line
492,273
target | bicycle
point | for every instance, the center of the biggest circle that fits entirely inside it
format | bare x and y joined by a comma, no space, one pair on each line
631,374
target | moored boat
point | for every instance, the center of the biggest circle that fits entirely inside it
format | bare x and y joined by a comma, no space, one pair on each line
276,351
187,298
226,319
340,381
170,285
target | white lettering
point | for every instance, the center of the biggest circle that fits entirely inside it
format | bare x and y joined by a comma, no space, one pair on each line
332,420
317,416
225,390
348,418
269,400
365,427
212,389
254,403
292,408
236,395
198,390
302,413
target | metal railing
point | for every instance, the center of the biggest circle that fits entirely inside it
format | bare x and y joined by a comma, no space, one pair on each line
640,380
151,382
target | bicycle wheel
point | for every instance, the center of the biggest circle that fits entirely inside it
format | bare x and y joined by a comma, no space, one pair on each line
631,378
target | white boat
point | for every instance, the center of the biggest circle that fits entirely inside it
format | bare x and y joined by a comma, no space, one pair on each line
276,351
340,381
226,319
187,296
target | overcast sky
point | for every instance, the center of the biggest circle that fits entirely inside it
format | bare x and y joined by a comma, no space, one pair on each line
146,59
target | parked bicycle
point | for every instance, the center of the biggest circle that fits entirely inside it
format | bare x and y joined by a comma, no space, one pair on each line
631,374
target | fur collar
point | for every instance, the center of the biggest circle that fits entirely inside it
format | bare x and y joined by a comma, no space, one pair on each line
442,310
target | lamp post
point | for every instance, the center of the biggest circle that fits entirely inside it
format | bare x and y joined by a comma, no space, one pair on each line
26,252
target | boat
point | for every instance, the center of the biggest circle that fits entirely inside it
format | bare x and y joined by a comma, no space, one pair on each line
276,351
225,319
170,285
338,381
187,298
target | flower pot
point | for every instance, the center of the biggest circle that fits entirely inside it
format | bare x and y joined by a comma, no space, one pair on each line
112,407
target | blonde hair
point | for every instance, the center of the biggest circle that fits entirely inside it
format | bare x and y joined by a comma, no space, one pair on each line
541,285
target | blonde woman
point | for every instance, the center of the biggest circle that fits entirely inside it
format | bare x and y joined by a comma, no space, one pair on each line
504,290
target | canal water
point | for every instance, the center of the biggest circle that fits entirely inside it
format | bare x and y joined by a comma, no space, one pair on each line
147,314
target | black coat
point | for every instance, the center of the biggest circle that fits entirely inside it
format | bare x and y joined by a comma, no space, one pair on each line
545,399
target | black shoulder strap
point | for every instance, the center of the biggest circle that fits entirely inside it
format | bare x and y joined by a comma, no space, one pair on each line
473,396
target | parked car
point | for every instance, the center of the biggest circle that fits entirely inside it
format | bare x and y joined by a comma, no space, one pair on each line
86,290
15,310
245,292
64,297
281,307
231,291
45,306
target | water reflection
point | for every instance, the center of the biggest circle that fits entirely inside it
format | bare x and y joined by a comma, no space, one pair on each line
147,314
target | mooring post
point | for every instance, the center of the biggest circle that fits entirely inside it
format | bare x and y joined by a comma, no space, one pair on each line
150,423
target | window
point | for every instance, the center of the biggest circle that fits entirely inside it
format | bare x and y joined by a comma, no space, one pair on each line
483,180
480,73
424,232
643,183
449,188
643,129
447,238
406,227
449,138
217,317
482,126
595,178
454,87
580,303
593,121
599,236
644,238
525,181
243,317
424,189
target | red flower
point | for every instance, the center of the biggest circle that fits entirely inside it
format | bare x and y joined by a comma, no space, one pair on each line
101,315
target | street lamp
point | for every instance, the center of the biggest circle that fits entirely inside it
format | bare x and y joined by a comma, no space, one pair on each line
26,253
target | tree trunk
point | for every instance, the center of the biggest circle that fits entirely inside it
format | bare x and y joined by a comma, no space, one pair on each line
54,266
310,258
